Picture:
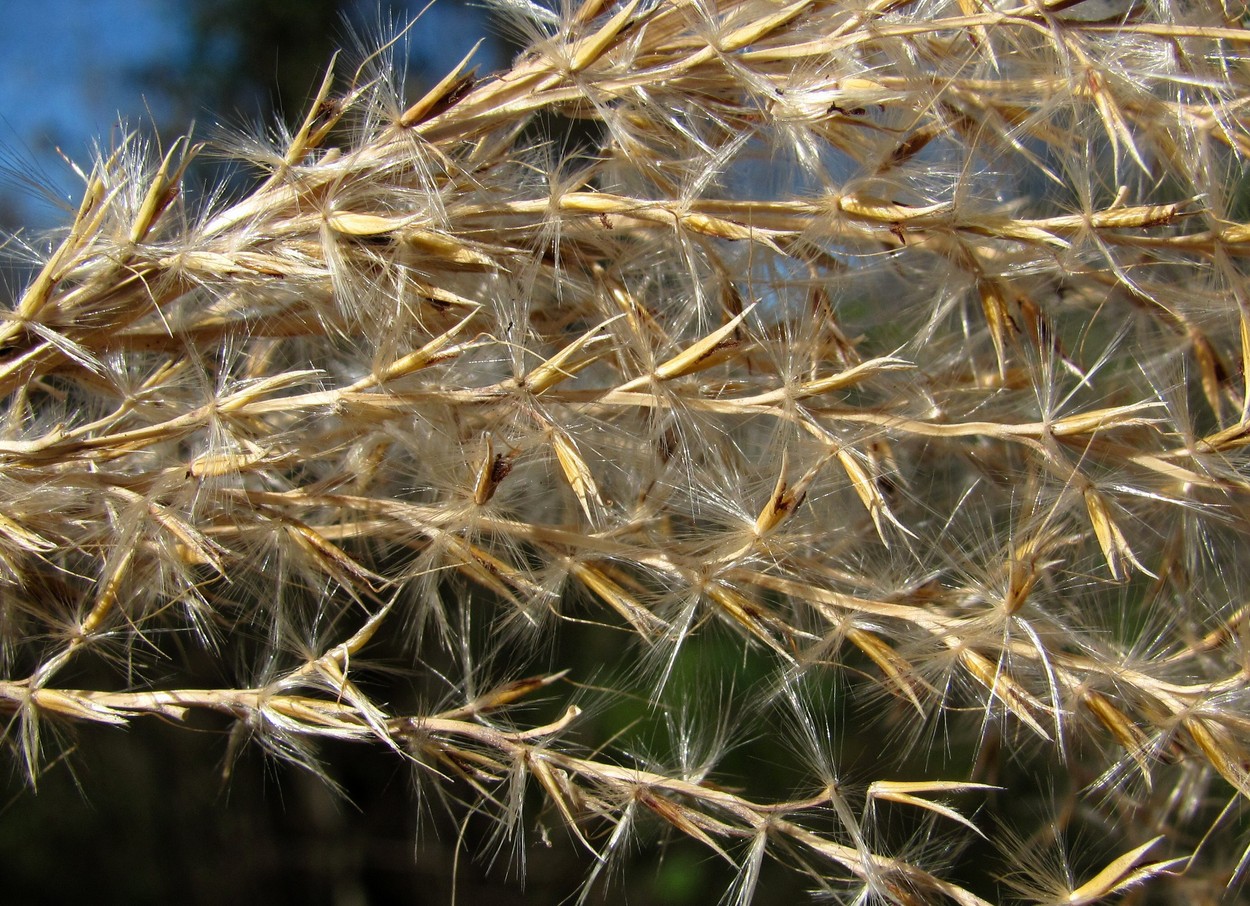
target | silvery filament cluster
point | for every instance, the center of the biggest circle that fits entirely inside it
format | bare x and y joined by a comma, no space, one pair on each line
903,345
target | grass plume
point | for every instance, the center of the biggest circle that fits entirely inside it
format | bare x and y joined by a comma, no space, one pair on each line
904,343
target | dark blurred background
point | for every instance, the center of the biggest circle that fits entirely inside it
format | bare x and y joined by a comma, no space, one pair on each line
71,70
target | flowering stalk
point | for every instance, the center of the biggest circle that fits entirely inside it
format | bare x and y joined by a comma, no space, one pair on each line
901,339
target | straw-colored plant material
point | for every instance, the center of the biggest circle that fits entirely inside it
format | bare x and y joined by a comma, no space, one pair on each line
904,343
